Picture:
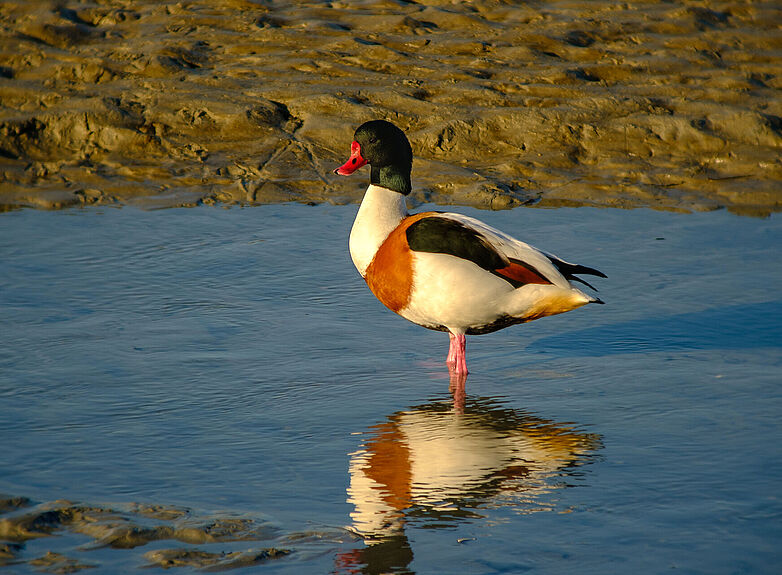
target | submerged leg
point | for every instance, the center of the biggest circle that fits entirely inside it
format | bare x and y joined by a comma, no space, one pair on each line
457,353
457,390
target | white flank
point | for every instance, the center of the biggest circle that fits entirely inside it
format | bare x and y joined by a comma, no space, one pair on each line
460,295
453,292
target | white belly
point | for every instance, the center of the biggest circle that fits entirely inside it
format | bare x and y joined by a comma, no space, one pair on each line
454,293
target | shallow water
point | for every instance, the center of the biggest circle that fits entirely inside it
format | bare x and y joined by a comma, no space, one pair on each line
230,365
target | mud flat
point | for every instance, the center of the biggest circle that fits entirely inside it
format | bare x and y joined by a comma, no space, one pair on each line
667,105
207,542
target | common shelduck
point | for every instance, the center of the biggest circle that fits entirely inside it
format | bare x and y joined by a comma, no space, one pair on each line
446,271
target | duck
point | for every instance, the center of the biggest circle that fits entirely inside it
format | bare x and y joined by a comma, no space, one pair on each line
447,271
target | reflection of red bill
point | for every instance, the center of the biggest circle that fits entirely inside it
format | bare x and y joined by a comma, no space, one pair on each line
354,162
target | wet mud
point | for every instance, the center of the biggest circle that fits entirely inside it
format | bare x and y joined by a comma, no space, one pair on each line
666,105
129,527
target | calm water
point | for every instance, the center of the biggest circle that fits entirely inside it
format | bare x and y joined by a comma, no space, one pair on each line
233,363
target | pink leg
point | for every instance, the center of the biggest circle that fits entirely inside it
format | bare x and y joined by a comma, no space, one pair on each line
451,359
457,354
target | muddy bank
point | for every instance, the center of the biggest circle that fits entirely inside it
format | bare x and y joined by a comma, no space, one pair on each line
207,542
166,103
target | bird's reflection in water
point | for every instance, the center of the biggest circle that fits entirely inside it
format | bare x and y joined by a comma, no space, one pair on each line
436,464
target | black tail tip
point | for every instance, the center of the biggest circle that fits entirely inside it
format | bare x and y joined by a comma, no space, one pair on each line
598,300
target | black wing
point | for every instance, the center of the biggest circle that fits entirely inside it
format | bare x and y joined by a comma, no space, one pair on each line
441,235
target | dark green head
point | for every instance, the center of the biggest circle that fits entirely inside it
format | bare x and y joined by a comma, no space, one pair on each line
385,148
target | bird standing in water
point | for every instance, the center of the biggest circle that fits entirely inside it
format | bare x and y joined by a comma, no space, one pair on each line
447,271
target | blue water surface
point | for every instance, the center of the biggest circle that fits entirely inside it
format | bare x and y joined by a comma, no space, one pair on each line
232,362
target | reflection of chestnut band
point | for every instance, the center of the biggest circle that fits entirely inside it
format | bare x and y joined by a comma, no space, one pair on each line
440,462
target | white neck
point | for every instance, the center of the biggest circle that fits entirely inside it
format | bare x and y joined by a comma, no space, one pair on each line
380,213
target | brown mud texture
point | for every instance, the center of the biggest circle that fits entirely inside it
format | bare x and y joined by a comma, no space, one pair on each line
670,105
130,527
